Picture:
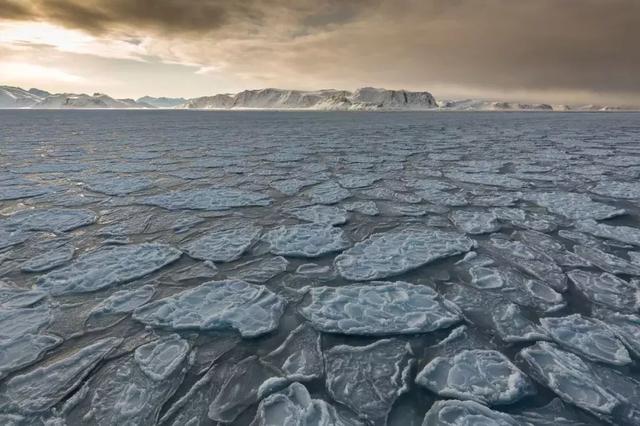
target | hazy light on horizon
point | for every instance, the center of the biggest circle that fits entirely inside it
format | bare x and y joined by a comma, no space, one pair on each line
556,51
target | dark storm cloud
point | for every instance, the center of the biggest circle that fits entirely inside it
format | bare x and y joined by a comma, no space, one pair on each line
524,45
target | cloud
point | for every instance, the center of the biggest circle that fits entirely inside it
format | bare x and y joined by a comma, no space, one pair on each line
557,48
17,71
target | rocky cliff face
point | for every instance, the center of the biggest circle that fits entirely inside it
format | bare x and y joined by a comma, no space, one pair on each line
362,99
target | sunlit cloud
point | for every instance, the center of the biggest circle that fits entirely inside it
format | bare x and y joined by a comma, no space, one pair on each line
32,73
25,34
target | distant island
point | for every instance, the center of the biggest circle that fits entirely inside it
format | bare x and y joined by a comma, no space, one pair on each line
363,99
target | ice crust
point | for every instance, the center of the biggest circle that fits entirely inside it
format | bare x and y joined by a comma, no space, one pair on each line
217,305
207,199
484,376
53,220
328,215
223,246
368,379
465,413
379,308
394,252
574,205
107,267
306,240
294,406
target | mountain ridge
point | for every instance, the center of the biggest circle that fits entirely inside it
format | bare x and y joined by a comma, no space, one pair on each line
362,99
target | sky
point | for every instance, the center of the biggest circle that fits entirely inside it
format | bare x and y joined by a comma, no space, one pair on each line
553,51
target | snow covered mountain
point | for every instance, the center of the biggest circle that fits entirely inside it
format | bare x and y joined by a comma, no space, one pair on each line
15,97
363,99
161,102
367,98
482,105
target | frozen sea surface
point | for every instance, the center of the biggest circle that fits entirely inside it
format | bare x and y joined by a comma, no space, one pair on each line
306,268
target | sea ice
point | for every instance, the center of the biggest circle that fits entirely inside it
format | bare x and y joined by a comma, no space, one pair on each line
326,215
544,244
207,199
379,308
300,356
40,389
625,326
569,377
394,252
327,193
113,184
294,406
306,240
18,322
224,245
617,189
535,263
606,261
217,305
474,222
24,350
15,192
124,301
368,208
587,337
133,391
606,289
624,234
53,220
368,379
248,382
259,271
465,413
49,260
484,376
107,267
574,205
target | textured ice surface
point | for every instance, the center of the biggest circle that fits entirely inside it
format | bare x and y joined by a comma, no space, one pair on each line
368,379
574,206
549,179
306,240
617,189
300,356
294,406
607,261
124,301
394,252
217,305
15,323
624,234
547,245
473,222
107,267
49,260
481,375
207,199
570,378
222,246
259,271
327,193
329,215
368,208
379,308
54,220
587,337
465,413
606,289
133,391
43,387
249,381
535,263
113,184
24,350
14,192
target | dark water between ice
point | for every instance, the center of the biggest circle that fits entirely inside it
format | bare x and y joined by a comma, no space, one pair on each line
111,221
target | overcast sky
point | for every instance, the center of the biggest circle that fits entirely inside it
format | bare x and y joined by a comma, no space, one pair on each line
556,51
